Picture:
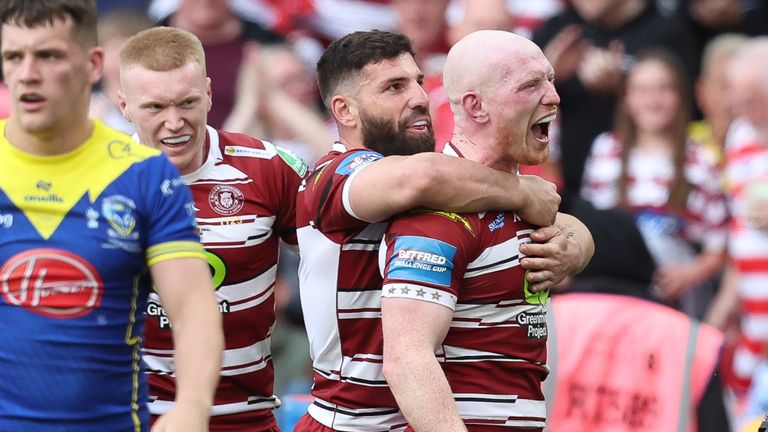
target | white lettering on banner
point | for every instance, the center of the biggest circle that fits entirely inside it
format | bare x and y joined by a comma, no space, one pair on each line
421,256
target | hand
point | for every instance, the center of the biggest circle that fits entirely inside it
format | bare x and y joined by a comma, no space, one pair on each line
717,14
672,281
601,70
181,419
542,203
757,205
551,258
565,51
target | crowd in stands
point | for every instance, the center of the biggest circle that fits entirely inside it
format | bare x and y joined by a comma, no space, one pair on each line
661,146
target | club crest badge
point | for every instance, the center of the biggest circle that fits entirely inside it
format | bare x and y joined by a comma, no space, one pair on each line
226,200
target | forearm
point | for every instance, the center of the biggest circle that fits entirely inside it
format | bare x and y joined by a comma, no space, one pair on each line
464,186
422,391
708,264
301,122
580,238
726,301
188,298
197,334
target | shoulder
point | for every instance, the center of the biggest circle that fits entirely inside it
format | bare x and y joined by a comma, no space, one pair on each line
354,160
438,224
239,148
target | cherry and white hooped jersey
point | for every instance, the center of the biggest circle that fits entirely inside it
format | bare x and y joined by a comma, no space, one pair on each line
494,354
341,298
746,167
649,180
245,195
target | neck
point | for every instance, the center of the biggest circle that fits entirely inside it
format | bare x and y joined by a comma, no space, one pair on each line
481,151
55,142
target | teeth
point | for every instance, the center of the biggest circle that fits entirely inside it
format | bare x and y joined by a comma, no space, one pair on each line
419,123
547,119
177,140
32,98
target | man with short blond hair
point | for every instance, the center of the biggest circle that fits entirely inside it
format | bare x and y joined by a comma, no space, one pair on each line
244,191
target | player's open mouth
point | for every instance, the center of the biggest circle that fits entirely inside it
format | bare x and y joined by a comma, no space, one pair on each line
177,141
419,125
540,129
31,100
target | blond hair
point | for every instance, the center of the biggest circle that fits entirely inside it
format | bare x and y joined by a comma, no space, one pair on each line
162,49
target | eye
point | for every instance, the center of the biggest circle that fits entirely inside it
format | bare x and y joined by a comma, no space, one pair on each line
11,57
395,87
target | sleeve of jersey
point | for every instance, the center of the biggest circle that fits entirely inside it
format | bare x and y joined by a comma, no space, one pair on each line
425,259
169,213
290,171
329,189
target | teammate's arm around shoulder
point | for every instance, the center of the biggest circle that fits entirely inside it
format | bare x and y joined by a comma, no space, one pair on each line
398,183
184,285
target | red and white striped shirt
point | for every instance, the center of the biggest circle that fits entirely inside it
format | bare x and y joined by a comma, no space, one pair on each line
340,288
494,354
746,167
649,181
245,202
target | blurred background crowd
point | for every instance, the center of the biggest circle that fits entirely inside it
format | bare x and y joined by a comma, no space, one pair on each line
661,145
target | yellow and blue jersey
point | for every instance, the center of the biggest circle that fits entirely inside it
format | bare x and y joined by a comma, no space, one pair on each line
78,233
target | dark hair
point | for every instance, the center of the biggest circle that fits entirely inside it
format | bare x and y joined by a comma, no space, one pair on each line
352,53
43,12
626,130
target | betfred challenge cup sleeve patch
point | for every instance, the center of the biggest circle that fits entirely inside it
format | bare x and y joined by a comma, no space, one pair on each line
422,260
357,160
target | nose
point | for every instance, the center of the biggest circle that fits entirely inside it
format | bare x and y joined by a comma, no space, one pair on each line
173,120
28,70
418,98
550,96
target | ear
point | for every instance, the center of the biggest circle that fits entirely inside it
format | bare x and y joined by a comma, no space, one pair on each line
95,64
344,110
208,92
473,108
121,97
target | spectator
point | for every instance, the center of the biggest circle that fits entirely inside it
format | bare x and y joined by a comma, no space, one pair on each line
423,21
225,36
591,44
647,165
624,364
278,100
114,29
746,171
712,95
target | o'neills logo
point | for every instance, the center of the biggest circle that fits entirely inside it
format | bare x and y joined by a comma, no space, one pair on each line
51,282
226,200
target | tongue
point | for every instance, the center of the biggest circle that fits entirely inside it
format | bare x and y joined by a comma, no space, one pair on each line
538,131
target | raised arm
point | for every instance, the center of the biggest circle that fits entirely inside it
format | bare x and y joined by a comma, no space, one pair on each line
558,251
185,289
398,183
